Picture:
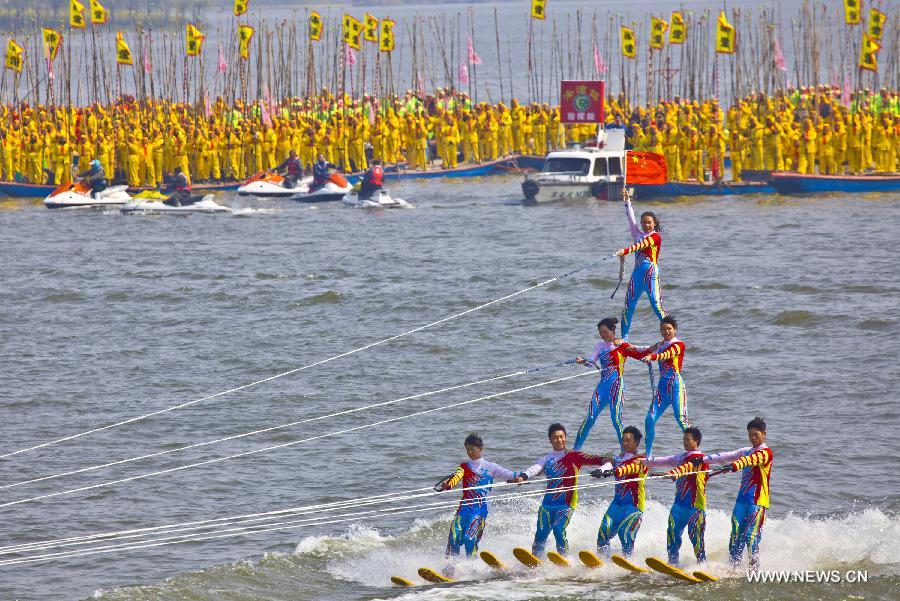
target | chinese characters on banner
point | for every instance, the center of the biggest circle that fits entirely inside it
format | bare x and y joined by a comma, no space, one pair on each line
581,101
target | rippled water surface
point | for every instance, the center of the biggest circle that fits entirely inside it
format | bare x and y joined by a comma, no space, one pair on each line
787,307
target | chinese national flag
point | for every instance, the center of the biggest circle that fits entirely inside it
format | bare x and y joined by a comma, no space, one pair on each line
645,168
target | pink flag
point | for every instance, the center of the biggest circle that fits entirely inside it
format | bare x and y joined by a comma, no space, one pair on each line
206,105
598,62
420,85
463,74
222,66
265,114
147,67
779,56
349,55
473,56
845,93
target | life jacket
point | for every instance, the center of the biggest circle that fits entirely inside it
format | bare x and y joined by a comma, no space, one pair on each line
377,175
294,167
181,183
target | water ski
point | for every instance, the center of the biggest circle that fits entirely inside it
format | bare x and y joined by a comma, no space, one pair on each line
704,577
556,558
401,581
624,563
432,576
491,559
670,570
526,557
590,559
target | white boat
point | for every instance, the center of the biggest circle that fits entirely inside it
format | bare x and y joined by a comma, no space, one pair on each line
272,185
266,185
581,173
336,188
78,194
155,204
380,199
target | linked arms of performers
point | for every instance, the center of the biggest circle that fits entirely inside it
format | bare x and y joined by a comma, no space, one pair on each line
524,475
738,460
648,242
674,350
450,481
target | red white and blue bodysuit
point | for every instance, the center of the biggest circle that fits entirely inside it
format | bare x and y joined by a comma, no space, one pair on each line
645,276
471,515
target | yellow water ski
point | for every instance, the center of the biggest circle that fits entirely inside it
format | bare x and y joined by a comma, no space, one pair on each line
624,563
432,576
491,559
704,577
670,570
590,559
401,581
558,559
526,557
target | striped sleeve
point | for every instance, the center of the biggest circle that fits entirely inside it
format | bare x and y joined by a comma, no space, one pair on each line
760,458
670,353
648,242
455,478
684,469
632,469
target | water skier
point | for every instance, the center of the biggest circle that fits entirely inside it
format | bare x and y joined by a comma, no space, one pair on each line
471,515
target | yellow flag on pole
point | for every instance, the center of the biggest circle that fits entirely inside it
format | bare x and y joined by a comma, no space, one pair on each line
52,42
370,28
98,13
315,26
245,34
193,40
876,23
386,40
539,9
677,31
868,52
351,30
658,29
629,42
851,12
240,7
123,52
725,38
76,14
15,56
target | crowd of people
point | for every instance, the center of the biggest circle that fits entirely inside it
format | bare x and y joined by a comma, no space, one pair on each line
141,142
690,469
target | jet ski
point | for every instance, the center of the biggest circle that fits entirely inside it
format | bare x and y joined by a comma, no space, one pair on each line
266,184
78,194
336,188
153,202
380,199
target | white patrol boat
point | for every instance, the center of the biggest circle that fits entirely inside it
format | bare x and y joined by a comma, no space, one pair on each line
591,172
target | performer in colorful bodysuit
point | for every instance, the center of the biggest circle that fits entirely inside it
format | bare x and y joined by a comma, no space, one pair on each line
645,276
471,515
752,501
609,357
669,352
561,469
624,515
689,508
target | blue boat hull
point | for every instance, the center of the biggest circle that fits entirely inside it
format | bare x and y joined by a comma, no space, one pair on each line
670,189
792,183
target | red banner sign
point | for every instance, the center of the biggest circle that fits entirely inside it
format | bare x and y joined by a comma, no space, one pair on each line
582,101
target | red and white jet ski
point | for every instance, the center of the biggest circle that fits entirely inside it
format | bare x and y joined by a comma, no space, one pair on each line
78,194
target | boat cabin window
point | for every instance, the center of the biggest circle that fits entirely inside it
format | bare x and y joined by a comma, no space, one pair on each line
615,165
600,166
567,165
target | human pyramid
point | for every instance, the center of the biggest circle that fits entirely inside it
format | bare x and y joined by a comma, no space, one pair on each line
690,469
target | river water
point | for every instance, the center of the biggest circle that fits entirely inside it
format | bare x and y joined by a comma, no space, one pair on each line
786,306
